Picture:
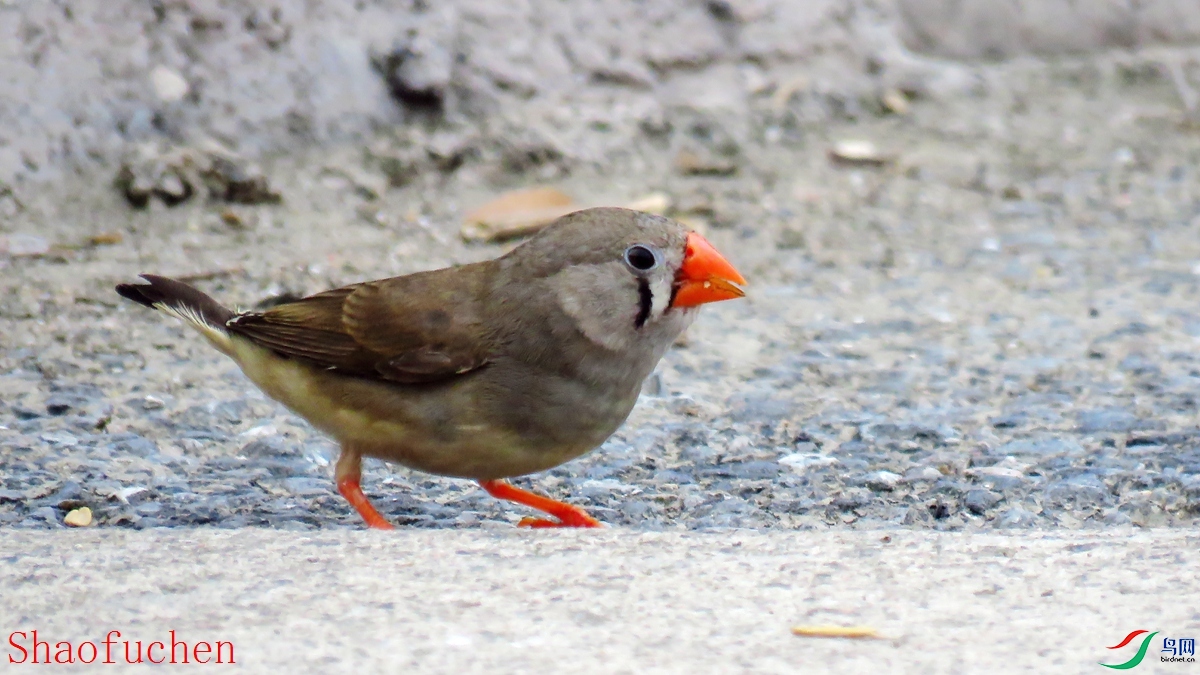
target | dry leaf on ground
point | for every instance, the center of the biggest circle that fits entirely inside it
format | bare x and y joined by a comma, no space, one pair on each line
80,517
857,632
517,213
657,203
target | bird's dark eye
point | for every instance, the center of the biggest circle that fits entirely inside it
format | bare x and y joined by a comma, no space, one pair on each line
640,258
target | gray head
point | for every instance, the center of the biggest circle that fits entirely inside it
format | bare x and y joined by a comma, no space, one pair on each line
627,278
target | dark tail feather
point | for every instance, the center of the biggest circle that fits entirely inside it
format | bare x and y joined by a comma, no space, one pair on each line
178,298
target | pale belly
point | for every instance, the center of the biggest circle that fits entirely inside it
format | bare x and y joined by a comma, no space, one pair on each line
432,428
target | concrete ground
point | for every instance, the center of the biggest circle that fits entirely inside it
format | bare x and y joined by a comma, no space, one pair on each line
617,601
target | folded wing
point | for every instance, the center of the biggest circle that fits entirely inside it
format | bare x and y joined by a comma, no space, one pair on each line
418,328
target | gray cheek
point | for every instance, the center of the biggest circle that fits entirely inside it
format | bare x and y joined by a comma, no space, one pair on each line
602,303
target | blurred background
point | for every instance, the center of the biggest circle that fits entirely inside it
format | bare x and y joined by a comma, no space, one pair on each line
970,227
540,87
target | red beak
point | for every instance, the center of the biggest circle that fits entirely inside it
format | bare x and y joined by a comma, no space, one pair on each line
705,276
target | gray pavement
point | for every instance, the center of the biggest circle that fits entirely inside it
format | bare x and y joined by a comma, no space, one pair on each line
615,601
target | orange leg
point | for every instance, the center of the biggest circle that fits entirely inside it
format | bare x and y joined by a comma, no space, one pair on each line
348,474
568,515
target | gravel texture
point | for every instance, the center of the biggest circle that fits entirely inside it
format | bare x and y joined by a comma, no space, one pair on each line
993,326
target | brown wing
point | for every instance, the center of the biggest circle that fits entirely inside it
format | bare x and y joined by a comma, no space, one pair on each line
422,327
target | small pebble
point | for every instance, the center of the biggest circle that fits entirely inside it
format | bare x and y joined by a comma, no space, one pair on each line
883,480
168,84
979,501
858,153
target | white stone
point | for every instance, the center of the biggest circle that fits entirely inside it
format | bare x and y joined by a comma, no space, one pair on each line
168,84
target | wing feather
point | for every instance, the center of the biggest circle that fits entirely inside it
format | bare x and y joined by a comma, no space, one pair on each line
422,327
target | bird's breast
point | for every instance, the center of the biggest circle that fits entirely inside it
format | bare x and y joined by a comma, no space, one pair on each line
504,420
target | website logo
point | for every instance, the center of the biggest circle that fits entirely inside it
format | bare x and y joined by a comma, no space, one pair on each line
1174,650
1141,652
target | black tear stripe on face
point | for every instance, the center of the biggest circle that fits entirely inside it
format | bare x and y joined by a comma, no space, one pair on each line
645,302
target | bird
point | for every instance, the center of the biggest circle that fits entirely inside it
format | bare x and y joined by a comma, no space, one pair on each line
485,371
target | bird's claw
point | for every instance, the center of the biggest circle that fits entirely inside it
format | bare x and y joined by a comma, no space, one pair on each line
570,520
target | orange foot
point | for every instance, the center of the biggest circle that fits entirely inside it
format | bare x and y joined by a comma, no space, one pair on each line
353,493
568,515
